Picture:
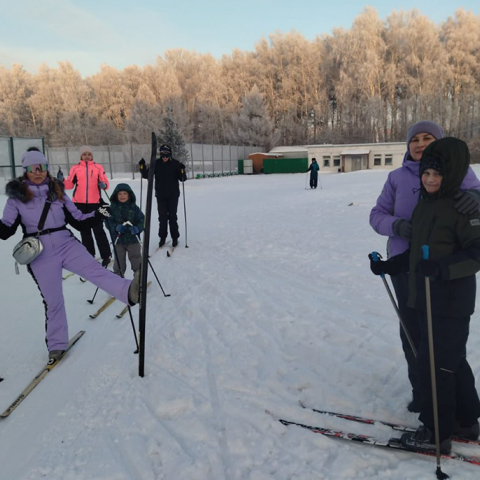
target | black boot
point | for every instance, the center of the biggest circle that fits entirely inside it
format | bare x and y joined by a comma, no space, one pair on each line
162,242
424,439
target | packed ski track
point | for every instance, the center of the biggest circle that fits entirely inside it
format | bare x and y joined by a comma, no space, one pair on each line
273,302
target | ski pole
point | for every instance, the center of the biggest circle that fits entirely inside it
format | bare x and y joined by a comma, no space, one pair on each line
440,474
93,298
376,258
141,191
306,180
153,270
96,290
115,253
185,213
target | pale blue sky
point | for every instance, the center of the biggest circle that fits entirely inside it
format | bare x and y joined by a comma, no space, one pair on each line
123,32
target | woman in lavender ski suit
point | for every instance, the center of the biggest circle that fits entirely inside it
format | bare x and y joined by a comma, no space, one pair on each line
27,197
392,215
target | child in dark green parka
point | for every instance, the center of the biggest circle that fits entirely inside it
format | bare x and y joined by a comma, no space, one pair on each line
454,242
125,224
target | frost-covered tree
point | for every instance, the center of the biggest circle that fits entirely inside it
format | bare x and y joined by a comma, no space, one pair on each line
252,125
144,116
171,135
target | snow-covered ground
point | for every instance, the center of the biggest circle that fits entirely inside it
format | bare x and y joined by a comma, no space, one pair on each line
273,302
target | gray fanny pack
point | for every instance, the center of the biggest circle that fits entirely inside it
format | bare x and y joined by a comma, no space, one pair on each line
28,249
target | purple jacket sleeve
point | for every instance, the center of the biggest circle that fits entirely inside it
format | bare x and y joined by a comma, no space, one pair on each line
10,213
470,182
74,211
381,216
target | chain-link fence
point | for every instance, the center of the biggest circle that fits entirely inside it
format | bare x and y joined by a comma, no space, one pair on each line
119,160
11,150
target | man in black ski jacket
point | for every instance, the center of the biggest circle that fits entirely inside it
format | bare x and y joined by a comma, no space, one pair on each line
168,172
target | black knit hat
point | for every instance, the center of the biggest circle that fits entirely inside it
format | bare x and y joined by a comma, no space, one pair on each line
431,162
165,150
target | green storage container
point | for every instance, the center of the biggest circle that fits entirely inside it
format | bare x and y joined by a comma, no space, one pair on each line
285,165
240,167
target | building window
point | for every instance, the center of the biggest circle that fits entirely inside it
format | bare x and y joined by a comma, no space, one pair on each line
377,160
326,161
388,160
336,161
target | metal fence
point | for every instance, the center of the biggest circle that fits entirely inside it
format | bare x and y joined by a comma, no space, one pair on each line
204,160
11,150
118,160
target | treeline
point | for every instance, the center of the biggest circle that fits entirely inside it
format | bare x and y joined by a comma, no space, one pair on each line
365,84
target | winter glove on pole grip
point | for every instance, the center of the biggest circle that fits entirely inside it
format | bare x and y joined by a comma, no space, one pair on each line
376,264
429,268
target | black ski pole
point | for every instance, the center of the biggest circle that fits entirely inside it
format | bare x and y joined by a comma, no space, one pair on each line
142,314
141,191
93,298
440,474
376,258
96,290
185,214
115,253
153,270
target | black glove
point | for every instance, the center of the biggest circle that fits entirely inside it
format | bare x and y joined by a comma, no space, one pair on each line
468,202
106,262
60,175
142,164
403,228
183,173
102,185
429,268
104,211
391,267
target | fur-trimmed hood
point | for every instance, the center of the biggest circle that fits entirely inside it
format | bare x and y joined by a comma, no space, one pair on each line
17,188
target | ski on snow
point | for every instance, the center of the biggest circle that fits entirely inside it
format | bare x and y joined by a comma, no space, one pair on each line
40,376
392,443
170,251
102,308
125,310
371,421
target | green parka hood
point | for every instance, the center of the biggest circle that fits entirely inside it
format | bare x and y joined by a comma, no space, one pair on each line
453,157
123,187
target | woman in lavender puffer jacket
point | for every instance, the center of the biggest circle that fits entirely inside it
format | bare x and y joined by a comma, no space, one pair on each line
392,216
27,196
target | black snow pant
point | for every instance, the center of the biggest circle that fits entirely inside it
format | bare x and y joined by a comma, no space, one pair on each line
167,217
313,180
410,319
456,394
100,235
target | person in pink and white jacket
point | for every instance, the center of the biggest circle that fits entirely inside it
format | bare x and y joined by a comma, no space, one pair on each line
88,180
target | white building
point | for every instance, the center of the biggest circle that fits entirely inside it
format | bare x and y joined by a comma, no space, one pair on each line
350,157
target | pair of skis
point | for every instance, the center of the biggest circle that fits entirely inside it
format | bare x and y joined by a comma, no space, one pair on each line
392,443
